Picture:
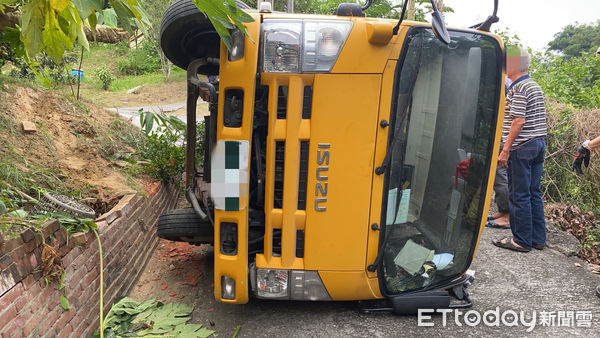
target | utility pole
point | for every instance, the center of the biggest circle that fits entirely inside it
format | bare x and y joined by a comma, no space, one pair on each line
290,6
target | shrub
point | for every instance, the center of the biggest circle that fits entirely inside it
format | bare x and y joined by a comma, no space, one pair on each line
567,128
575,80
163,146
141,60
105,75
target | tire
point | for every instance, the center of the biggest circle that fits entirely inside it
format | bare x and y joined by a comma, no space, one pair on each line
187,34
184,225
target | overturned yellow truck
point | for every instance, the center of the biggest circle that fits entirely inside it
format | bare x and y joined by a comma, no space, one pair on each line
345,157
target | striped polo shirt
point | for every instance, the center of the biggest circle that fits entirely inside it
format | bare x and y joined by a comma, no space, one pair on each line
525,98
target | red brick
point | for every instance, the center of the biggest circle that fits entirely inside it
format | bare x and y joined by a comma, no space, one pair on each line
45,296
53,301
66,331
92,262
152,189
29,246
7,315
65,318
92,325
30,326
33,260
31,284
10,245
49,229
125,205
70,257
24,269
91,243
89,278
79,262
18,253
87,293
5,261
79,330
101,225
8,278
11,295
63,250
108,217
21,302
61,236
14,330
27,235
80,238
38,239
46,325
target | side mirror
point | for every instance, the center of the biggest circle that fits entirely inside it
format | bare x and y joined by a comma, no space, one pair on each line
438,25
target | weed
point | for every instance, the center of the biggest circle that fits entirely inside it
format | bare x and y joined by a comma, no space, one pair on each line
105,76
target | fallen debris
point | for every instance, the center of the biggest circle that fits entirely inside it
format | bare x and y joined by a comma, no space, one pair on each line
28,127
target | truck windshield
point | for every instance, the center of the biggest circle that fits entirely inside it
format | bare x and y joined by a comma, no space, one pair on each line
443,126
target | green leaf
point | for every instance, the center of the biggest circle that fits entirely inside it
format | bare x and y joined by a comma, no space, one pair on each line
93,21
3,208
58,5
224,17
124,12
18,213
32,21
110,17
87,7
8,2
64,303
55,40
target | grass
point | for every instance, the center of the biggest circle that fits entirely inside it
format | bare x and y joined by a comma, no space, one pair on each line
124,83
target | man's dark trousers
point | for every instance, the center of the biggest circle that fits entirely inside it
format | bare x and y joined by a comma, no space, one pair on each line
526,206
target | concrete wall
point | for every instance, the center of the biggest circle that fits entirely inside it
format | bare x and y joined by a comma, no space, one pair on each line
29,308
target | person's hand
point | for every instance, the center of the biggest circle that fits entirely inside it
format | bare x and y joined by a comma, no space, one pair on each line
583,156
503,158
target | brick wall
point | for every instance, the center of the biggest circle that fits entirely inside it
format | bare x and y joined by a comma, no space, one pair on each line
128,234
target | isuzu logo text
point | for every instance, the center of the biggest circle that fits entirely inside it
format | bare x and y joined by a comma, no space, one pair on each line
322,169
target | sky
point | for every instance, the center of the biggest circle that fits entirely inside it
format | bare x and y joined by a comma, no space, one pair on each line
534,21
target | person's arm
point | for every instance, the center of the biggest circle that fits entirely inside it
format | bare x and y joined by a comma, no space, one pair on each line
583,154
593,144
516,126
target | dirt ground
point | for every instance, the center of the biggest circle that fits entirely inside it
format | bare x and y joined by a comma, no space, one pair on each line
163,93
173,273
73,141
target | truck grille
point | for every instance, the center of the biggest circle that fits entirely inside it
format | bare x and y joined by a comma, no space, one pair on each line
288,144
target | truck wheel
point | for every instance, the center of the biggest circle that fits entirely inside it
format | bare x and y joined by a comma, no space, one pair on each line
184,225
186,34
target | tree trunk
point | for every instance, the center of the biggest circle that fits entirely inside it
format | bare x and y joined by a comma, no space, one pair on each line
410,10
106,34
440,5
8,18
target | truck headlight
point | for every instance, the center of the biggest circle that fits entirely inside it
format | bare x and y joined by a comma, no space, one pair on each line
288,284
302,46
272,283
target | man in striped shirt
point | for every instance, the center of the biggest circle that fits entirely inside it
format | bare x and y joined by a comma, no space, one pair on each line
523,136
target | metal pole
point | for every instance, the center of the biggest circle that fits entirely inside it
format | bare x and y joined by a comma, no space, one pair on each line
290,6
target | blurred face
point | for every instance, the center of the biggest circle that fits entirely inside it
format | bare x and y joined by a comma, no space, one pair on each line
513,66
